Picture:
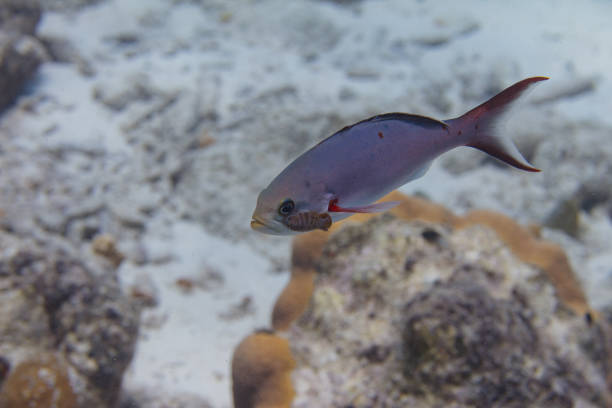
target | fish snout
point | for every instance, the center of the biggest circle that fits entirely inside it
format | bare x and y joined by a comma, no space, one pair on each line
257,223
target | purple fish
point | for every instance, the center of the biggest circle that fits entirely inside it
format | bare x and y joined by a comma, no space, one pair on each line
347,172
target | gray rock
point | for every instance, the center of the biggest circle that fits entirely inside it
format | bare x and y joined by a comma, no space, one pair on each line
20,52
565,217
63,51
408,314
51,300
20,57
19,16
487,348
595,192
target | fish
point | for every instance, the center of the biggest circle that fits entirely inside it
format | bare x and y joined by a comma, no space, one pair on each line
350,170
308,221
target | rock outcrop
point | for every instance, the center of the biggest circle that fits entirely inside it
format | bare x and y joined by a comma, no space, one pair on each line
21,52
65,318
421,307
415,314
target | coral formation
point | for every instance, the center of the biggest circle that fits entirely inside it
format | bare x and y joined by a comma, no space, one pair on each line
53,299
469,315
41,382
487,348
523,241
416,314
545,255
261,372
294,299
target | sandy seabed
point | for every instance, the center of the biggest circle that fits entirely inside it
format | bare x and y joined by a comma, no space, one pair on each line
164,119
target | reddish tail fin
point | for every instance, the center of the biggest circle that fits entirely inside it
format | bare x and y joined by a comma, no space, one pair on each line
481,123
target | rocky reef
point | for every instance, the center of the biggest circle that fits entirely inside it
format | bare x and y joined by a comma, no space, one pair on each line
410,314
21,52
68,333
425,308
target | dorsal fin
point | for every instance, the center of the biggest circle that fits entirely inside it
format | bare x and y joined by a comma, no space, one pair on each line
418,120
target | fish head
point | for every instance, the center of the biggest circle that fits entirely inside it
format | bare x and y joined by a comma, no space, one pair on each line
275,206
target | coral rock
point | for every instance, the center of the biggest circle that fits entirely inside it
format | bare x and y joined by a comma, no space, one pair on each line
20,52
487,348
20,16
294,299
261,372
565,217
53,299
421,315
545,255
41,382
20,57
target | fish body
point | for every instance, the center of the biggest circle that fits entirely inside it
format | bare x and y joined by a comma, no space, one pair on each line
308,221
347,172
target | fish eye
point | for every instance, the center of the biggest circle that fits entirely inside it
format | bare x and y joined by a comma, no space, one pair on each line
286,207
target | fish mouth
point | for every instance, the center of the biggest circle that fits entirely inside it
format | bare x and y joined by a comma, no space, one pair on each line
257,223
272,228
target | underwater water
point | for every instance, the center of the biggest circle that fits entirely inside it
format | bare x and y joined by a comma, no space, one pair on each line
136,136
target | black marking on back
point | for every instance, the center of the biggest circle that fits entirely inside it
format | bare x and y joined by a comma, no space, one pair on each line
418,120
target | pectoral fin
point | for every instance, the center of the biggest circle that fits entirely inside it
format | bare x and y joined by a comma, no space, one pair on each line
372,208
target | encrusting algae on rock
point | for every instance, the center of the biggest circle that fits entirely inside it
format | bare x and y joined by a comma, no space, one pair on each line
437,310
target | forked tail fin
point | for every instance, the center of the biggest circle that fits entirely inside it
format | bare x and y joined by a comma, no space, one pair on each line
481,124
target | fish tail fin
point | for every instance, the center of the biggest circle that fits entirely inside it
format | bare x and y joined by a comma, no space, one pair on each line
482,122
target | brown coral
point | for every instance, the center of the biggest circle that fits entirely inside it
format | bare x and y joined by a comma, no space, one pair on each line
41,382
261,372
294,299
